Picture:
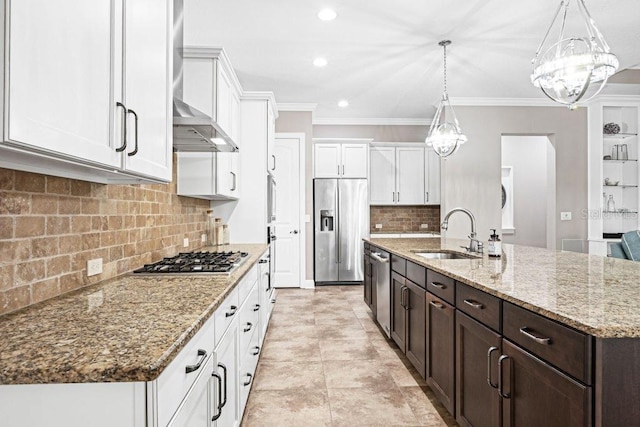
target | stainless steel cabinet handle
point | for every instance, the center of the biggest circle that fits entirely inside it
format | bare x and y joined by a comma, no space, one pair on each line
398,197
135,122
218,406
246,383
256,351
232,312
530,334
427,193
256,307
377,257
500,379
438,285
406,297
342,170
224,400
436,304
235,179
338,170
491,350
474,304
124,127
274,162
248,328
202,354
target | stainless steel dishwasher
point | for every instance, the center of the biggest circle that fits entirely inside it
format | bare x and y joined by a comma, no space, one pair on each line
381,282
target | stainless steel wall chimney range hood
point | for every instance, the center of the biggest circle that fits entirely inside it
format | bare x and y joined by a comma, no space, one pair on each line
193,130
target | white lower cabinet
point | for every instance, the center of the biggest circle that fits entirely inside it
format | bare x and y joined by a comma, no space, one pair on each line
195,410
227,408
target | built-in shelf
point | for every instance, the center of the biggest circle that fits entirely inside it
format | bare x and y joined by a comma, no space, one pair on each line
620,135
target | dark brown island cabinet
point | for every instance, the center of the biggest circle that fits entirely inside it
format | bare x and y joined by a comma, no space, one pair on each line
495,364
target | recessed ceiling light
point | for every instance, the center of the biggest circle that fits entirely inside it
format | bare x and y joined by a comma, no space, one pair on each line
319,62
343,103
327,15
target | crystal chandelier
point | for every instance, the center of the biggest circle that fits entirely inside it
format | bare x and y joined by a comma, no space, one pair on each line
445,136
573,68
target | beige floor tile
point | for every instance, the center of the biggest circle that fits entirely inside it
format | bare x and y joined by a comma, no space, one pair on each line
403,375
349,349
292,332
284,319
295,350
341,331
426,407
370,407
336,318
357,374
289,375
280,408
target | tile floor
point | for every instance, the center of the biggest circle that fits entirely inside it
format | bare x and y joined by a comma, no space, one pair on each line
326,363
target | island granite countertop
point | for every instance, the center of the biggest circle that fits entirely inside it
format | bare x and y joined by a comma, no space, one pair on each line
124,329
594,294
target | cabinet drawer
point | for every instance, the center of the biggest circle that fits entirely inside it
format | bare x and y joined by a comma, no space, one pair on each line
175,381
479,305
417,274
246,283
442,286
225,314
249,318
399,265
567,349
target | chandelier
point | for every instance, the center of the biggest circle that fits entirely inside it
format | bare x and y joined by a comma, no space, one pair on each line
573,68
445,136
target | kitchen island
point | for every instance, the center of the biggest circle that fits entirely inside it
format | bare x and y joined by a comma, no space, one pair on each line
127,330
565,326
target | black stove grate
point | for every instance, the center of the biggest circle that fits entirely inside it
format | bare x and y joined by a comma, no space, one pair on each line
195,262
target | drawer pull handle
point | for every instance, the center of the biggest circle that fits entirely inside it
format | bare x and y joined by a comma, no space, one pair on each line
438,285
530,334
218,406
474,304
246,383
248,328
500,379
257,351
436,304
491,350
256,307
224,400
192,368
232,312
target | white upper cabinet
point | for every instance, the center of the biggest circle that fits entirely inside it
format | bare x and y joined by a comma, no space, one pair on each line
407,174
208,175
271,139
335,159
70,94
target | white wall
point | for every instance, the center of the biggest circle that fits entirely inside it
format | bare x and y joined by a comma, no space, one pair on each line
528,157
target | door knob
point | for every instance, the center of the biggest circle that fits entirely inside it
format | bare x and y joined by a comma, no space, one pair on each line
293,232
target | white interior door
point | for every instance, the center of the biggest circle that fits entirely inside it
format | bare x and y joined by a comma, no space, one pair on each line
287,224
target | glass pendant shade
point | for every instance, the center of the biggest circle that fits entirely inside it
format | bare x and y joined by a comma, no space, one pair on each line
445,135
573,68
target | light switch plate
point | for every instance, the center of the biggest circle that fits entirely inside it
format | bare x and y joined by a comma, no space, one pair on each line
424,226
378,226
185,242
565,216
94,266
307,218
203,238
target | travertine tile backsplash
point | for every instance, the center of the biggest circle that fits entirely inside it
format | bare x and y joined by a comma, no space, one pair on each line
404,219
50,227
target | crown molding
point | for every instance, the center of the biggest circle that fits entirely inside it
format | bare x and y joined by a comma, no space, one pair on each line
214,53
297,106
345,121
261,96
504,102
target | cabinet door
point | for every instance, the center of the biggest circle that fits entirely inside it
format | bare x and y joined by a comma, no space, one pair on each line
224,174
224,94
440,350
148,88
432,184
398,311
410,175
382,180
195,410
271,138
477,403
540,395
227,368
416,326
235,118
59,71
327,160
354,160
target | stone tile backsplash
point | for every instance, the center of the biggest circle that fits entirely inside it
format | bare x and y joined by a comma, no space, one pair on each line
50,227
404,219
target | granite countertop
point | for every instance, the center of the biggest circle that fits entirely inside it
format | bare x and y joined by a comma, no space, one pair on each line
125,329
594,294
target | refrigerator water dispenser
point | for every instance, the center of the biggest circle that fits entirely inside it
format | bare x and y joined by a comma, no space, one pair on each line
326,220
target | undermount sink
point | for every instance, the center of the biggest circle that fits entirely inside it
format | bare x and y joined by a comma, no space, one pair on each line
444,255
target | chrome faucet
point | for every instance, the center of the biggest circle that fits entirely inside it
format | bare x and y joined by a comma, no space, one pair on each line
474,244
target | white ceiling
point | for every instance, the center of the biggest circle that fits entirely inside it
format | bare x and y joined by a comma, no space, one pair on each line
384,55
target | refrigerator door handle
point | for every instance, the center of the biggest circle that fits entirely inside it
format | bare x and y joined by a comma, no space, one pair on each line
338,225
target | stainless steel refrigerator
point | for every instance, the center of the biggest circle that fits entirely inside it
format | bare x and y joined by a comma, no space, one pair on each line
341,221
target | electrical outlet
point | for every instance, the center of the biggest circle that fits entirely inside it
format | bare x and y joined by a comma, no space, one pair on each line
203,238
307,218
424,226
185,242
94,266
565,216
378,226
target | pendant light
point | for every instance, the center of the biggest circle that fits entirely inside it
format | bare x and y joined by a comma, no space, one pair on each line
573,68
445,136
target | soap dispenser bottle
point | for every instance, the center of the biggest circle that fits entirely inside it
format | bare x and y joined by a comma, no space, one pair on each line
495,245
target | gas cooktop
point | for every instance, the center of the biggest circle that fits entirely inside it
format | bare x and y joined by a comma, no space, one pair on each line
196,263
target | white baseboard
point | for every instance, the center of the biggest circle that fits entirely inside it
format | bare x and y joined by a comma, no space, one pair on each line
308,284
